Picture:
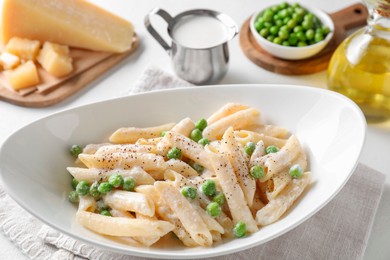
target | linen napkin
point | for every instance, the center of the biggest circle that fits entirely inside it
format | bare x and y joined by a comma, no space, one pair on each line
329,234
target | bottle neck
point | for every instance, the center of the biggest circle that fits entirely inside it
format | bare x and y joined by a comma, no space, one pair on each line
379,18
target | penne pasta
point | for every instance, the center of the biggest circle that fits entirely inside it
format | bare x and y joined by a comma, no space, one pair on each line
244,136
190,149
273,163
91,175
238,120
129,135
146,161
92,148
226,110
120,226
269,130
125,148
165,213
278,206
238,162
279,181
151,141
182,168
130,201
232,190
189,217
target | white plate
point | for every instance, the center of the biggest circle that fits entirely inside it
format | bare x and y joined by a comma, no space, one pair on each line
330,127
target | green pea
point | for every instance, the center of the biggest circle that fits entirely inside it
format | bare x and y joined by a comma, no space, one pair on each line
325,30
283,34
196,134
276,17
75,150
298,28
73,197
308,17
264,32
283,5
219,198
197,167
291,24
259,25
297,17
82,188
286,20
209,187
93,190
189,192
271,38
300,11
271,149
295,5
302,44
115,180
257,172
268,17
293,39
274,30
267,25
290,10
201,124
283,13
310,34
285,43
277,40
279,23
163,133
239,229
318,37
74,183
306,24
275,8
174,153
128,183
106,213
301,36
296,171
249,148
204,141
213,209
104,187
259,19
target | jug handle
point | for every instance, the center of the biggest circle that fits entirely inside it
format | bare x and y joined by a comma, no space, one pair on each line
167,17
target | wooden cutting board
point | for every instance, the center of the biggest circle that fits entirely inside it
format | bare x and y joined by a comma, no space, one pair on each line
88,66
348,18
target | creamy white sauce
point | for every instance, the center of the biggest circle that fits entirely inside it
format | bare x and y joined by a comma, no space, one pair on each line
200,32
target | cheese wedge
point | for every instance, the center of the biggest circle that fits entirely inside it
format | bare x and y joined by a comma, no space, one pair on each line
23,48
9,61
75,23
54,58
24,76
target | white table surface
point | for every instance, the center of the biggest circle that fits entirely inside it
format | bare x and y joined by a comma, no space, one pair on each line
241,70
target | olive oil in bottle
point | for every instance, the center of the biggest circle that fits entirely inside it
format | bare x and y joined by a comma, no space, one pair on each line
360,67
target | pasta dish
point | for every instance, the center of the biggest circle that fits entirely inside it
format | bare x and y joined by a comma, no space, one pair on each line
221,177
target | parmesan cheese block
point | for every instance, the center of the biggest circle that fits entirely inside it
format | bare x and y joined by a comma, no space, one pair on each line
9,61
75,23
24,76
23,48
54,58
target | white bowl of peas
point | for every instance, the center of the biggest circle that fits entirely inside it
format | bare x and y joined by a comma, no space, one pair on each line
292,31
